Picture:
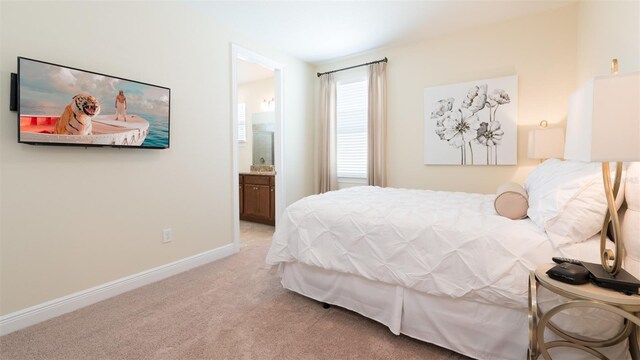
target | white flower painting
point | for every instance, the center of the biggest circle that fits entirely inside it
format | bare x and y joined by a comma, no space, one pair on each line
473,123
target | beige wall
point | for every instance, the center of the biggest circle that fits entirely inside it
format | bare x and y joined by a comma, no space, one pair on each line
607,30
74,218
540,49
252,94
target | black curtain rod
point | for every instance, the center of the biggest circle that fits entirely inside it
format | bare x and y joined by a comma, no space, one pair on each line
354,66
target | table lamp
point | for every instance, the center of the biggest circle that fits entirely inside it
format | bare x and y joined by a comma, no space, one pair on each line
603,125
546,143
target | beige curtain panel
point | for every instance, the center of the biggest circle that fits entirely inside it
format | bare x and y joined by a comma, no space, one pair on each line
327,134
377,124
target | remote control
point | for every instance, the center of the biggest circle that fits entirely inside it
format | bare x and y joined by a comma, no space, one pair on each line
560,260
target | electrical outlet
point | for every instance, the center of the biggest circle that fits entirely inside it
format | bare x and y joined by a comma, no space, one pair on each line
166,235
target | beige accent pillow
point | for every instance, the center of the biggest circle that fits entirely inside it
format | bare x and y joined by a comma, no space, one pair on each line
511,201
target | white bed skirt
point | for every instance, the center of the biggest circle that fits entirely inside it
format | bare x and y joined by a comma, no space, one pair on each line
481,331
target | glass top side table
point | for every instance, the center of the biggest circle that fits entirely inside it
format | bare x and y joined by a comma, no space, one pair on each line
579,296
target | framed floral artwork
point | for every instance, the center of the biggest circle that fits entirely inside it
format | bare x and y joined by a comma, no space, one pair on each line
472,123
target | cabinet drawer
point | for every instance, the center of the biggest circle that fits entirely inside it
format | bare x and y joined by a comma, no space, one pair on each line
256,179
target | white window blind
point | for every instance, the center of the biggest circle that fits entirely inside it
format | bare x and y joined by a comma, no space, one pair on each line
351,130
242,122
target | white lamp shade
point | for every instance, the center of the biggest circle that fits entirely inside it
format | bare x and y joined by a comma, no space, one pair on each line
546,143
604,120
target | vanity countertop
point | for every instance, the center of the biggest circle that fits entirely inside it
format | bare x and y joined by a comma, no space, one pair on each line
270,173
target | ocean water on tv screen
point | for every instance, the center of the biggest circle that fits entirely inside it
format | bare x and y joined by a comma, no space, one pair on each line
158,131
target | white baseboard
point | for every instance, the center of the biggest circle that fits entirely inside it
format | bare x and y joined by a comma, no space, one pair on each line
56,307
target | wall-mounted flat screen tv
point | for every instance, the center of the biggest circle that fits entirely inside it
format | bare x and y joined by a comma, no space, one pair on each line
60,105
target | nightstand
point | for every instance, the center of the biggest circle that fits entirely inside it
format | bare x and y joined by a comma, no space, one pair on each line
587,296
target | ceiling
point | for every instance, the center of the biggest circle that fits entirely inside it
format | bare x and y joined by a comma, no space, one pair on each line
319,31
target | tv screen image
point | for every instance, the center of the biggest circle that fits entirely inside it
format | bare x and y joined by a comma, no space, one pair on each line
59,105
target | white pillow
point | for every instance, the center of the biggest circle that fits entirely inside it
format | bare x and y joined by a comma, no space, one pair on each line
631,220
566,199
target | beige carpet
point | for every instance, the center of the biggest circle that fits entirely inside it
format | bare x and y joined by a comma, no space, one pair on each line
231,309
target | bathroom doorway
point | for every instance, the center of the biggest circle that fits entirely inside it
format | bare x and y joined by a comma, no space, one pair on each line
258,194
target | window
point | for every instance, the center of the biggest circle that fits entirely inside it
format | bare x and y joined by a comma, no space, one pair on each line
242,122
351,130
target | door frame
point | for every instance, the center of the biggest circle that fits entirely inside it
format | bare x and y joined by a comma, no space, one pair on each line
240,53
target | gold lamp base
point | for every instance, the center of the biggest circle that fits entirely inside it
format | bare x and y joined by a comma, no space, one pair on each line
611,260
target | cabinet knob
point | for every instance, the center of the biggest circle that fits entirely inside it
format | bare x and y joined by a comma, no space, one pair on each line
271,190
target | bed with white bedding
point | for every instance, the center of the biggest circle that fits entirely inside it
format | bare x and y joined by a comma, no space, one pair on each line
441,267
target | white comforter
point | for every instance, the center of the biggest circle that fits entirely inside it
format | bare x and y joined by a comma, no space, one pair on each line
439,243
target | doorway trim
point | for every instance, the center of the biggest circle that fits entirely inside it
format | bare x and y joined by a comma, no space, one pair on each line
240,53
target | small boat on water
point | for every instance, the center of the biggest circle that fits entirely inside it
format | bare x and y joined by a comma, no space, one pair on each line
106,130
